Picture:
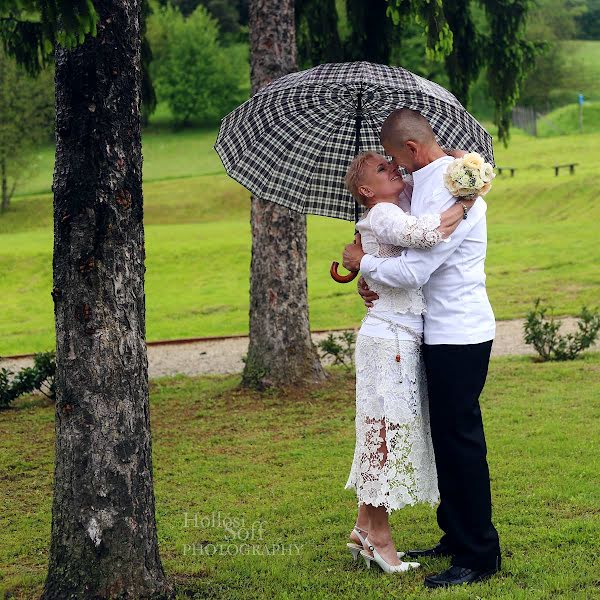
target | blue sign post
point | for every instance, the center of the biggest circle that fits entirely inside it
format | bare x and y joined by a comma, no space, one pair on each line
580,100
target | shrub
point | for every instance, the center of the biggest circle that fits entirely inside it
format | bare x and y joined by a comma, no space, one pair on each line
543,334
198,78
39,377
340,348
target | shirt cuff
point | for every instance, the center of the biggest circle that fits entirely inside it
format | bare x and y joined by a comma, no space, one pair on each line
368,263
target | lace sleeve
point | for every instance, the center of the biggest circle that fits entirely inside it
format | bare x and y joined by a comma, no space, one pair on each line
391,225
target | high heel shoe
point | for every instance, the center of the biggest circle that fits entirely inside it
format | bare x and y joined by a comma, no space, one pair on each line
385,566
355,549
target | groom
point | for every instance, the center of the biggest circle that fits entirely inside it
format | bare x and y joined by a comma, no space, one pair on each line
459,330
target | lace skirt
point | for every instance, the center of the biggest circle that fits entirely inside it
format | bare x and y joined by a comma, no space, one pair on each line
393,462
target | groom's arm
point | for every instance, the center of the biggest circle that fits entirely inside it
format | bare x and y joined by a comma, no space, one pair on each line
414,267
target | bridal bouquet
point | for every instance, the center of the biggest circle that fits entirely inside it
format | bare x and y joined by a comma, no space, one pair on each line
469,176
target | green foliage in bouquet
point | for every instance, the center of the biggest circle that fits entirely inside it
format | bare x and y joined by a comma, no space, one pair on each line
39,377
340,348
543,334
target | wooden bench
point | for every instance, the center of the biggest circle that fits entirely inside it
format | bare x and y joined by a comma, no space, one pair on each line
570,165
511,169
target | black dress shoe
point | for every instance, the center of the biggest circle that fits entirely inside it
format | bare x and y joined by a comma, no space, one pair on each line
437,550
458,576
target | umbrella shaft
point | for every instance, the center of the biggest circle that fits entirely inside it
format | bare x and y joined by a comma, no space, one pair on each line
357,144
358,124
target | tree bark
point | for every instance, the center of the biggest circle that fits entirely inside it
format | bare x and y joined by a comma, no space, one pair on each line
280,351
4,178
104,542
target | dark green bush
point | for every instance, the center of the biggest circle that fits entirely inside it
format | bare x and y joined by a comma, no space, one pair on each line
543,334
198,78
340,348
39,377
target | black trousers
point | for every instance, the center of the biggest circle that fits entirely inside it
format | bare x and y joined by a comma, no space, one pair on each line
455,377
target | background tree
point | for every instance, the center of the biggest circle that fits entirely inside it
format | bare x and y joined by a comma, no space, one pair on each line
372,33
232,15
317,37
549,23
148,91
30,30
26,119
466,57
197,77
103,542
280,349
509,57
588,22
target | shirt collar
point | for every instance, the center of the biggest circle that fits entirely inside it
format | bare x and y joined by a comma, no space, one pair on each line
422,174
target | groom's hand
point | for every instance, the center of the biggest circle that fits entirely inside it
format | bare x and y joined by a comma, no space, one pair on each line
365,293
353,254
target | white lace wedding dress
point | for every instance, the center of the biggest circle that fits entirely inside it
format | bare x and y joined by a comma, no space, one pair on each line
392,412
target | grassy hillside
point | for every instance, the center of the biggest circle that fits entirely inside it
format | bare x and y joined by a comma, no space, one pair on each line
565,120
583,59
283,460
542,230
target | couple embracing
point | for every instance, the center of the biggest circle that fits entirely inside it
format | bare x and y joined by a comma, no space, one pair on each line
422,356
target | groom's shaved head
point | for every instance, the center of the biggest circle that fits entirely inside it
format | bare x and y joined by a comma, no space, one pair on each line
407,137
403,124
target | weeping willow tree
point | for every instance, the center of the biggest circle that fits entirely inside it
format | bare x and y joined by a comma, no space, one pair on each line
317,37
453,36
465,59
509,56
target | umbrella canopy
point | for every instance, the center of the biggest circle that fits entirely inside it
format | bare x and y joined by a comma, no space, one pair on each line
292,142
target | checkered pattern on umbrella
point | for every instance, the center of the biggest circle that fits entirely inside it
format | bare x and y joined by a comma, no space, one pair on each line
293,141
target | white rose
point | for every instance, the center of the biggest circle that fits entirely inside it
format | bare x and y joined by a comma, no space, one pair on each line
487,172
449,177
450,184
453,187
473,160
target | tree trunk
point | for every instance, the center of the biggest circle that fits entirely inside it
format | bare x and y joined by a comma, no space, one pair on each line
281,351
4,178
104,542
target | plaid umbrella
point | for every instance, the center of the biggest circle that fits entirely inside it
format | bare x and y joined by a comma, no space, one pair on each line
292,142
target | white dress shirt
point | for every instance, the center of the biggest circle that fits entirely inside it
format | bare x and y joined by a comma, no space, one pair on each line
452,274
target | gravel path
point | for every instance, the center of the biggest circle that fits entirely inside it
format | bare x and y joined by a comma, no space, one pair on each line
225,355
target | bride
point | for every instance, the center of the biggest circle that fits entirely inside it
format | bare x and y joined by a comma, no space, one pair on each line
393,463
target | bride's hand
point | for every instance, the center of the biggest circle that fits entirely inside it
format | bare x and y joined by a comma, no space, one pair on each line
365,293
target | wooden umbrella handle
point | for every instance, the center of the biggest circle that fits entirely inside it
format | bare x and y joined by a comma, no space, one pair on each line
341,278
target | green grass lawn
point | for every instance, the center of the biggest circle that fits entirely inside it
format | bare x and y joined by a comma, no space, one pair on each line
543,234
283,459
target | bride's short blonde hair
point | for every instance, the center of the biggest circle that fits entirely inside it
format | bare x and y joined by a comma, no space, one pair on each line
355,172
